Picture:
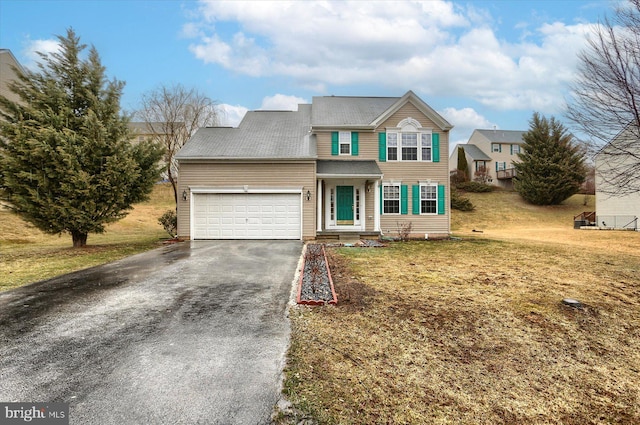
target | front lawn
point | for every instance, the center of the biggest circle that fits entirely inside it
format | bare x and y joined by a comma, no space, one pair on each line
474,331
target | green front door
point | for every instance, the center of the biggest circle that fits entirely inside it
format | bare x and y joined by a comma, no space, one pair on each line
345,204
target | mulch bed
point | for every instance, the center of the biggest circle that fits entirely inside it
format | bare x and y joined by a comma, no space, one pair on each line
316,284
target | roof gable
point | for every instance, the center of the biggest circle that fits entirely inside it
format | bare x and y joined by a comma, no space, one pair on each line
410,97
366,112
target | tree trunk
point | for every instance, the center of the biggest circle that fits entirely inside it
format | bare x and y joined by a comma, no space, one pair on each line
79,239
174,185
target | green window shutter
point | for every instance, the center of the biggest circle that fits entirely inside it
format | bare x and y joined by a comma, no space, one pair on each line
382,147
500,147
496,166
511,148
404,201
441,203
354,143
415,199
335,149
435,146
381,203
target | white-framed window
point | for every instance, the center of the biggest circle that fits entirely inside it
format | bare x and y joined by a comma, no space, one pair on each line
515,149
392,146
409,146
500,166
428,199
344,142
391,198
426,147
495,147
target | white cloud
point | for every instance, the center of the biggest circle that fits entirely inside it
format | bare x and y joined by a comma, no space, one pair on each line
433,47
231,115
34,46
465,120
281,102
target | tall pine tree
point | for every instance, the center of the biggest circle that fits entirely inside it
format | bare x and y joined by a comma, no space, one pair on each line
66,161
550,167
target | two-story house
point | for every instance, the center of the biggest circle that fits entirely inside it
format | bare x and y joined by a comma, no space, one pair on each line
490,155
340,165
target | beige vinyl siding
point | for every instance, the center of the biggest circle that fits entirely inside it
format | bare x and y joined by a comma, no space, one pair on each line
411,172
408,172
271,175
8,75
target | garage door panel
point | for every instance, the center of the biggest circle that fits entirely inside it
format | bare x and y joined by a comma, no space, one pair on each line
247,216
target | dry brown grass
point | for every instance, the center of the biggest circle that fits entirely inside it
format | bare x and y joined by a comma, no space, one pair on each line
28,255
474,331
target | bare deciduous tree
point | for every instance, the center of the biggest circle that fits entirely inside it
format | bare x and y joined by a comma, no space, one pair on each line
605,100
173,114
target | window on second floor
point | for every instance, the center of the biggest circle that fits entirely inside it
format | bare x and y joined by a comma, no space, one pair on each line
496,147
344,143
344,140
409,141
515,149
392,147
409,147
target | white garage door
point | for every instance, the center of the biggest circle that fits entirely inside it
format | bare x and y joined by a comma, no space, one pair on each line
246,216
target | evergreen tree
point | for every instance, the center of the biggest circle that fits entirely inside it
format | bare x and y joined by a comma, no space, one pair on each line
66,161
551,167
463,166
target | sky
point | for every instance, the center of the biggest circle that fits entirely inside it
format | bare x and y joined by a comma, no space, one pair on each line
480,64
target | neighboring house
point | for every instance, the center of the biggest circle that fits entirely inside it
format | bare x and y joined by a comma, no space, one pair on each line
340,166
7,73
615,208
491,152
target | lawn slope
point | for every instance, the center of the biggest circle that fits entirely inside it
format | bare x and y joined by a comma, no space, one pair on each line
28,255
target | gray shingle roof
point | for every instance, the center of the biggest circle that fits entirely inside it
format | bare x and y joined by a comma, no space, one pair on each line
348,168
476,153
260,135
352,111
503,136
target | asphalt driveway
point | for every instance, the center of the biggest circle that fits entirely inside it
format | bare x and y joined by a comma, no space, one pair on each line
193,333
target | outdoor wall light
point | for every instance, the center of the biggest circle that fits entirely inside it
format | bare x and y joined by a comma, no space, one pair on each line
308,195
184,195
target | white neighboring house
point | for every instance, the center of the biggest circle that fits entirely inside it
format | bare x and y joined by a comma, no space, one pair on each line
615,210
